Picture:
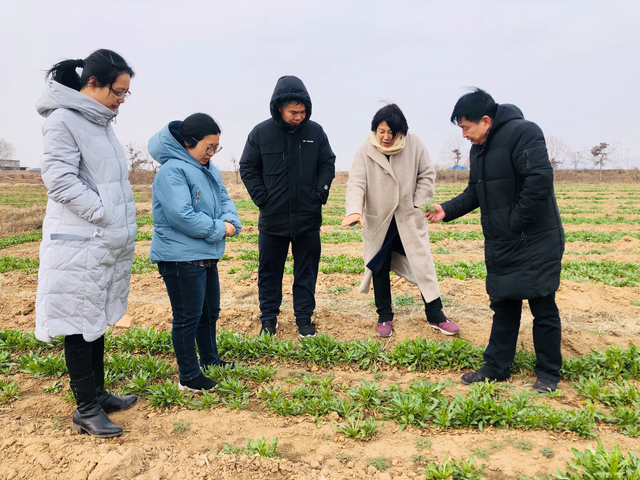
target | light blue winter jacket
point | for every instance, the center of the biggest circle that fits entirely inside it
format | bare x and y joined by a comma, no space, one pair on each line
190,204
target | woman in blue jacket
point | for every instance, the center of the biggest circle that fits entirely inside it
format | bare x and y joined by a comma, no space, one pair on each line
192,215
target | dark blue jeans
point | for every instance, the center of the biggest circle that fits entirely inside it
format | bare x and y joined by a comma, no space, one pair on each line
194,293
273,252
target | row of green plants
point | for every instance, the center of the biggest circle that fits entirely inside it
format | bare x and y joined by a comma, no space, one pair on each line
419,354
592,464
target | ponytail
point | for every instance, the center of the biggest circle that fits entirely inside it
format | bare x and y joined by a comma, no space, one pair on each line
105,65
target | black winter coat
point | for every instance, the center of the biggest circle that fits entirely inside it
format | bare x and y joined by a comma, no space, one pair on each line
511,180
288,169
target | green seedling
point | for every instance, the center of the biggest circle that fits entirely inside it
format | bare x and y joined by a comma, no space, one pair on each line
55,387
338,289
379,462
56,422
547,452
422,443
481,453
262,448
419,459
9,391
166,395
426,207
358,428
180,426
206,401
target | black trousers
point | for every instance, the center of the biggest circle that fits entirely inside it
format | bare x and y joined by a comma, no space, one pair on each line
382,286
273,252
81,356
504,338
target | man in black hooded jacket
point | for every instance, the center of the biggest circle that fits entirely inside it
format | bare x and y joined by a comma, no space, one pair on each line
287,166
511,181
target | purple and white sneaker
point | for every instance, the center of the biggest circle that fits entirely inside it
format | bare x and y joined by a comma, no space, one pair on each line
448,328
385,329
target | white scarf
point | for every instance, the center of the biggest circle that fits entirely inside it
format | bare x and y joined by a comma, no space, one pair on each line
394,149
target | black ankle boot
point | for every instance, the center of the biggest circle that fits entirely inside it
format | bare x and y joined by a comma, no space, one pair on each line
110,403
89,417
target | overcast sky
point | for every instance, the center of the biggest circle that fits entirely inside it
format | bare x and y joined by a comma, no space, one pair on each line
571,66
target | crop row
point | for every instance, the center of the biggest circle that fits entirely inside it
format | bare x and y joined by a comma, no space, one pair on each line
420,354
421,404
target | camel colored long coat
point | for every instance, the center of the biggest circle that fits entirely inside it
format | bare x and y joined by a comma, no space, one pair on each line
378,189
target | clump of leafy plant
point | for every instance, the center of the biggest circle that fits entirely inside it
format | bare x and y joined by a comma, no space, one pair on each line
426,207
180,426
260,447
356,427
166,395
9,391
379,462
547,452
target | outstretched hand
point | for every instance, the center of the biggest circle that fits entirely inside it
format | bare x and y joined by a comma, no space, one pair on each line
351,220
437,216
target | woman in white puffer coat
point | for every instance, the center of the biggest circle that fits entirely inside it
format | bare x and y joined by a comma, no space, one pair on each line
89,231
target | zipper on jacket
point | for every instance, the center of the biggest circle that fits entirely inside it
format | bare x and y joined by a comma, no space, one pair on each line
197,199
126,209
526,156
522,239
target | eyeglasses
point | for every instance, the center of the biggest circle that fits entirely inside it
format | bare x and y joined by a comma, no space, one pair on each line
211,150
122,95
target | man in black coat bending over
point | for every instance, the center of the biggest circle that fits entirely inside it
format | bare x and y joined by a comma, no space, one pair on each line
287,166
511,180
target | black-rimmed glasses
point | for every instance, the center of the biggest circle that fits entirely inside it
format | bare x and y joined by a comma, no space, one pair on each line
122,95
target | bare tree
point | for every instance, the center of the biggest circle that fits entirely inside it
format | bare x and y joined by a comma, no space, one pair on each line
558,151
236,166
139,160
455,152
7,150
602,154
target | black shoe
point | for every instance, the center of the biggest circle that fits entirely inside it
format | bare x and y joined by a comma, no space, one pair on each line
305,327
110,403
197,384
89,417
545,385
473,377
269,327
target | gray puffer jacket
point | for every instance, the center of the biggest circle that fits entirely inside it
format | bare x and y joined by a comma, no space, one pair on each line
89,231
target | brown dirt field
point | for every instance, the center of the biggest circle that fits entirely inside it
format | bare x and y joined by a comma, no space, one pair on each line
36,435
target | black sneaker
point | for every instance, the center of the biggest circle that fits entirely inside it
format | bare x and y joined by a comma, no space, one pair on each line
305,327
473,377
269,327
198,384
545,385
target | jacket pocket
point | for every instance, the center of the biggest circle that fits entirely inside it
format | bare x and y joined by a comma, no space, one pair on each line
106,205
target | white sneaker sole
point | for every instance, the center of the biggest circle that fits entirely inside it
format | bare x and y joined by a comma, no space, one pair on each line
444,332
184,388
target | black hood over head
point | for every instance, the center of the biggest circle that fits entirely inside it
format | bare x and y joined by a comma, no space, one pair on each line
289,88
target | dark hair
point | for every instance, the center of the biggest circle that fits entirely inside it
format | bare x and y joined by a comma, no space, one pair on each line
291,99
473,106
105,65
195,127
393,116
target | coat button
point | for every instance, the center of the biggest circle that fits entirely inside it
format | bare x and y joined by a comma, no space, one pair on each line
479,181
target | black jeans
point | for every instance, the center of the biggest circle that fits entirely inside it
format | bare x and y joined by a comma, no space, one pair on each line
382,288
504,337
81,356
273,252
194,293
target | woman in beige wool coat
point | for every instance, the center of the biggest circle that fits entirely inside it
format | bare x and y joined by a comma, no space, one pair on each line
391,177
